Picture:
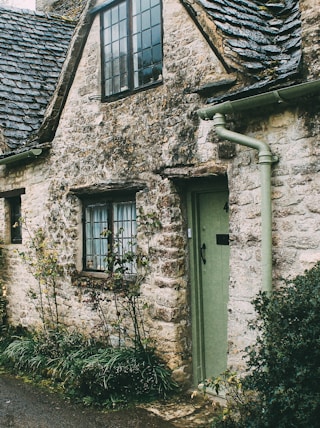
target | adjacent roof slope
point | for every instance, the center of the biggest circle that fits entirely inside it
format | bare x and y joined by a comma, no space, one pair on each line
260,39
33,47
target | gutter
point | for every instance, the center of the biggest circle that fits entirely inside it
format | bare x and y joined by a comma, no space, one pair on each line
30,154
266,159
284,95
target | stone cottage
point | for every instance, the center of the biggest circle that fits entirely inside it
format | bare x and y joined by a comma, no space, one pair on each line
203,114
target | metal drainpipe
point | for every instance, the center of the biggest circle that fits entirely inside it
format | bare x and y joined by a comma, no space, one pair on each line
266,159
283,95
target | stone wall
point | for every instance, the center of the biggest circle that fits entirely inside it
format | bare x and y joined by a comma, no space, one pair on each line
67,8
101,143
44,4
136,139
295,192
310,15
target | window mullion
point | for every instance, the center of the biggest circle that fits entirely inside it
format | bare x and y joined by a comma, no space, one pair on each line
110,237
130,45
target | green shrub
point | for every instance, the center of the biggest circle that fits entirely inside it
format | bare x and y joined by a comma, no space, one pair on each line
126,373
88,370
96,372
284,363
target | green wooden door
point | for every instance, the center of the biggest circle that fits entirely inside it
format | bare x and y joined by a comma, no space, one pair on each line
209,250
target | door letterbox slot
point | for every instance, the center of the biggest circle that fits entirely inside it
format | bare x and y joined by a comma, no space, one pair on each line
222,239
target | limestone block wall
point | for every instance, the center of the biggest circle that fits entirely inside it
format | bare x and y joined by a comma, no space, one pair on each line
128,140
18,279
295,195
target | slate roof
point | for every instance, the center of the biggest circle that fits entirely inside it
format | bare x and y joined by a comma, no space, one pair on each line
33,47
260,39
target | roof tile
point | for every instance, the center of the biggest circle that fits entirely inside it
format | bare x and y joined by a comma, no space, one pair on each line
33,47
261,39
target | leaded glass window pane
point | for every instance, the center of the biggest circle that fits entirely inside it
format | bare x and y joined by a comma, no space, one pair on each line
110,229
96,240
147,28
124,224
115,49
132,60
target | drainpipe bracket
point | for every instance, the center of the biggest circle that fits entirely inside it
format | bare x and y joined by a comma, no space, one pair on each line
265,157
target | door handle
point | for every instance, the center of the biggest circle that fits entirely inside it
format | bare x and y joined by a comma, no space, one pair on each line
203,253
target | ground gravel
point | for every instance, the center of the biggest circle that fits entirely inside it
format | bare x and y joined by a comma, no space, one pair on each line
23,405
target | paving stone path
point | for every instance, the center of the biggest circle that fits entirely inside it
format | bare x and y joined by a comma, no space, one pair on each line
23,405
27,406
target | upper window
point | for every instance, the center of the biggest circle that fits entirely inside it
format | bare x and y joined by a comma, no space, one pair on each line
131,46
110,235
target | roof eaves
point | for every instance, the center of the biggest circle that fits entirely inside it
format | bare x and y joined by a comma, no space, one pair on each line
256,88
53,112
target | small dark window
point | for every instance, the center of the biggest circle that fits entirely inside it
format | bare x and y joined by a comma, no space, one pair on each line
13,204
109,234
15,219
131,46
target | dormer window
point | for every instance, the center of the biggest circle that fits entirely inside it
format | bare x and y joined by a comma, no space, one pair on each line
131,34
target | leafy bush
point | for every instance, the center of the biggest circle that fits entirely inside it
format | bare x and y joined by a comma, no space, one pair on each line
88,370
283,379
241,402
125,373
94,371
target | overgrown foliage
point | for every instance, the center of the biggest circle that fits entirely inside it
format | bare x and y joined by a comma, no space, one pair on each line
87,370
41,258
128,271
282,386
97,370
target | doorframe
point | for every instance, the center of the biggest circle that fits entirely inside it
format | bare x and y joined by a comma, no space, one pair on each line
194,188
